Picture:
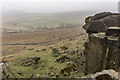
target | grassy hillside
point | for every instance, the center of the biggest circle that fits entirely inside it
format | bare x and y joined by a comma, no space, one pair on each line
54,49
61,55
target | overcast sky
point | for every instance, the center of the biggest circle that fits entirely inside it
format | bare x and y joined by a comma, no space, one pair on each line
59,0
49,6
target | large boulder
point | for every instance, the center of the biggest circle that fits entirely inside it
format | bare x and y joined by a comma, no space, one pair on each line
101,22
104,75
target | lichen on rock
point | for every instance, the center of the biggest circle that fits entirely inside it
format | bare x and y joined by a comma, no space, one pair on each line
102,48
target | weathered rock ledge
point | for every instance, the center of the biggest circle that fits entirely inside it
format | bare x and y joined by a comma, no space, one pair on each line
102,49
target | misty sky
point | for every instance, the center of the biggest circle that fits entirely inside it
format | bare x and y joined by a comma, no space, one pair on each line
49,7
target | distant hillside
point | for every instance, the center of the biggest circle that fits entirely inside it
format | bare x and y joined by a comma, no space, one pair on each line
39,21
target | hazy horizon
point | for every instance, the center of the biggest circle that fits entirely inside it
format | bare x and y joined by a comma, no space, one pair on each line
53,7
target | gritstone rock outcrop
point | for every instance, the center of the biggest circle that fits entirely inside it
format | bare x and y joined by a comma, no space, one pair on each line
103,75
103,44
100,22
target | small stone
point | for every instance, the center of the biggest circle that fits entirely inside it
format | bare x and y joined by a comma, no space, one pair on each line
31,49
43,50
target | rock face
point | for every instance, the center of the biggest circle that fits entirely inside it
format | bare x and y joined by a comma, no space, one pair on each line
100,22
103,45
